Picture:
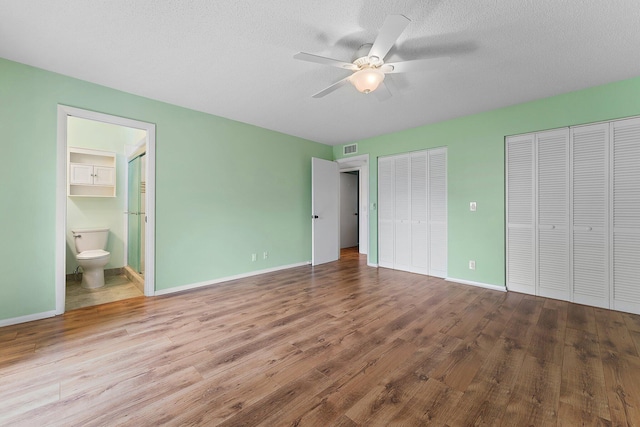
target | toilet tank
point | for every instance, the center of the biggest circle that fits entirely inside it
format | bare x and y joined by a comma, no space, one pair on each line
87,239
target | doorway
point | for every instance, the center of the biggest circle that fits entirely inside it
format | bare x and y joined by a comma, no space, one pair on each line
94,210
349,209
359,166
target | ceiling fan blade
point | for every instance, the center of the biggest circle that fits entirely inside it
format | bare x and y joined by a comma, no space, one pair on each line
325,61
393,26
382,92
331,88
415,65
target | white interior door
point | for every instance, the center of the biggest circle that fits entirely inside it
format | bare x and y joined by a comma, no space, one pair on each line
625,195
325,211
553,214
521,214
437,211
590,212
386,211
402,219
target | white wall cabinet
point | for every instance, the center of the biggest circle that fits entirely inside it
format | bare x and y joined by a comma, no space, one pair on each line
91,173
573,214
412,212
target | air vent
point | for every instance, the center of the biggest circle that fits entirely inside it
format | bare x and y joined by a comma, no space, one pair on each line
350,149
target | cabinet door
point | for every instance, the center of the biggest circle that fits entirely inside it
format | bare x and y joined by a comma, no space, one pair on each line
590,213
553,278
626,215
438,212
386,171
80,174
103,175
520,214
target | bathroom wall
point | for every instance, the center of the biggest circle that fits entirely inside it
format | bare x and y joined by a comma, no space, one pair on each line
88,212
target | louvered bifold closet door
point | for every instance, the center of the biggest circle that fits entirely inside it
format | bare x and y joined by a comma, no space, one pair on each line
590,214
520,214
419,248
626,215
386,172
553,214
437,190
402,231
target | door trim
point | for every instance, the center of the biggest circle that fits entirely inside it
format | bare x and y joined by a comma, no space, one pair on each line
64,112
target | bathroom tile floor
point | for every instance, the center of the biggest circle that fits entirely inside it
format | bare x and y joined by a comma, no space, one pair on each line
116,288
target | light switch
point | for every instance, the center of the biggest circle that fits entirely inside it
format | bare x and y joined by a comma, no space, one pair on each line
472,206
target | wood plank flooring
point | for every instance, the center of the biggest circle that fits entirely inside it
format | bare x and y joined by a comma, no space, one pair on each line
341,344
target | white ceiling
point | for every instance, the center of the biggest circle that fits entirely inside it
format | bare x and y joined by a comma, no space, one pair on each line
234,58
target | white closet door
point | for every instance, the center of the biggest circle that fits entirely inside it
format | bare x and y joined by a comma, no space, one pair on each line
419,238
626,215
437,212
402,231
386,172
520,214
553,276
590,213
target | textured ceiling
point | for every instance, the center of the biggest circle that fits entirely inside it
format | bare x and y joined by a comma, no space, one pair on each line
234,58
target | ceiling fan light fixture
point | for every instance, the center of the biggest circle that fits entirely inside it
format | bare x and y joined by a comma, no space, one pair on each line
367,80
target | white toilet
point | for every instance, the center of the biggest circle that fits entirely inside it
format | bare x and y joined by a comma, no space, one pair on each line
91,255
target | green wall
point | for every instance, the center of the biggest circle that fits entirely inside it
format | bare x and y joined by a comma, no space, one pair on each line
476,167
224,189
227,189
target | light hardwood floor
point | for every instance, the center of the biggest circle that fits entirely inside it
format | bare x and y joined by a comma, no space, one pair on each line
341,344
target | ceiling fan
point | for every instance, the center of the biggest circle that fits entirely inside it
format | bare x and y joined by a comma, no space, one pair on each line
369,68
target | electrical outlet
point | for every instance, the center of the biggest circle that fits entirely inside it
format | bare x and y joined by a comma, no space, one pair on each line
472,265
265,255
473,206
254,257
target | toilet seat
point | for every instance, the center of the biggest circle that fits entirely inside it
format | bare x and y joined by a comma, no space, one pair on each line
92,254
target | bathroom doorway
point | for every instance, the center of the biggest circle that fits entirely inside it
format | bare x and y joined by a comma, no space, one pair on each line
104,201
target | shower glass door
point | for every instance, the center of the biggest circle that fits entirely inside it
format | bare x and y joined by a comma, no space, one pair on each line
134,216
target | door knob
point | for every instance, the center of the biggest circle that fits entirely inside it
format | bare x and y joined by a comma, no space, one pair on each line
314,216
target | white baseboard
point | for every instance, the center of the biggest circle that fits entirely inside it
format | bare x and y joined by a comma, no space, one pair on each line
478,284
27,318
370,264
228,279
